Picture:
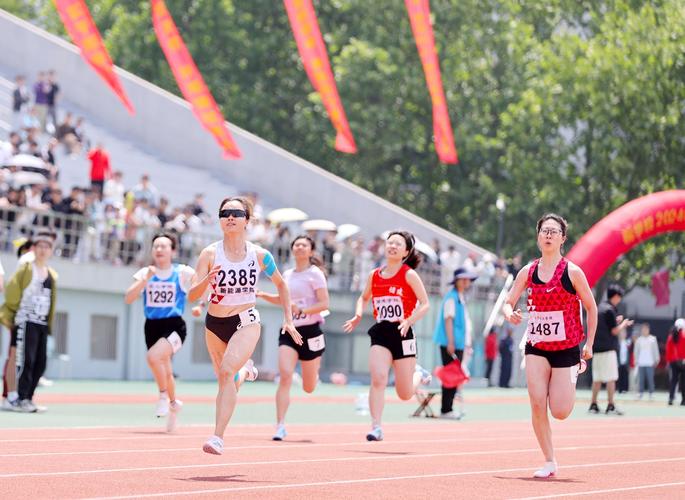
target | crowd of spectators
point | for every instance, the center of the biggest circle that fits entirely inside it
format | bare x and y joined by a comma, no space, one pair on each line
111,220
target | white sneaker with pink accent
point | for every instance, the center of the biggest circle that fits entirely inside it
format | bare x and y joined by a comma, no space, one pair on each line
547,470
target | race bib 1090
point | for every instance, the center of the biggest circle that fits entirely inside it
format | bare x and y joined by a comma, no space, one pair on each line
388,308
546,326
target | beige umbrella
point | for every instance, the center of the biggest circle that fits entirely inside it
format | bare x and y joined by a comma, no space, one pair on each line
286,215
319,225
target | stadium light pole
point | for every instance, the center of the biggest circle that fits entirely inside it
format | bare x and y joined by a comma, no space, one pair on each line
501,207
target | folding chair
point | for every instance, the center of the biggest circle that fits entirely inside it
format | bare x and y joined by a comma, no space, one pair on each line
424,399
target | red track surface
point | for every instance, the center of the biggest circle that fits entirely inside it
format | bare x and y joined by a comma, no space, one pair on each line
626,458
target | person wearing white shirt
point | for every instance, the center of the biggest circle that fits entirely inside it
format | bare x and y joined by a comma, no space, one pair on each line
647,356
113,190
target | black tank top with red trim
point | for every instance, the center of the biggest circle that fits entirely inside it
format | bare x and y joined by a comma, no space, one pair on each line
554,320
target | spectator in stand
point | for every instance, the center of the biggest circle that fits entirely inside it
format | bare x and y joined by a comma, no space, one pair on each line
80,133
41,89
34,150
506,353
15,143
450,259
146,190
163,211
646,358
471,262
605,359
73,225
34,197
113,190
438,250
66,134
198,204
48,153
490,354
100,169
675,357
624,344
20,101
31,123
514,264
53,97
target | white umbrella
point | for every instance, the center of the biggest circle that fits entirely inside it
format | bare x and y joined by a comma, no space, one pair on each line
286,215
346,230
319,225
426,250
25,178
25,161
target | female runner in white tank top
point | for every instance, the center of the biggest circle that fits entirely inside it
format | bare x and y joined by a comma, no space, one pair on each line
231,268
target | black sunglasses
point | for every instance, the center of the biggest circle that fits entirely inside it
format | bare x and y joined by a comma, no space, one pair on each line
232,212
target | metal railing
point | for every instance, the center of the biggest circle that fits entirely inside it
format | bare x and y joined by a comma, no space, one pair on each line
113,241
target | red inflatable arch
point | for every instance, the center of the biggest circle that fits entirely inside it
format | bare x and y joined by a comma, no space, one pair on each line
625,227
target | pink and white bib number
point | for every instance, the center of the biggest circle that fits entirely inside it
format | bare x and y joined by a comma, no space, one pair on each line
546,326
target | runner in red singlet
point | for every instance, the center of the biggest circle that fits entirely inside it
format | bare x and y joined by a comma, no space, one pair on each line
555,288
399,301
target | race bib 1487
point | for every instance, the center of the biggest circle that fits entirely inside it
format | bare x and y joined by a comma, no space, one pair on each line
546,326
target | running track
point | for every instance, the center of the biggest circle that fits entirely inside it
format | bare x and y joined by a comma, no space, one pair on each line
607,457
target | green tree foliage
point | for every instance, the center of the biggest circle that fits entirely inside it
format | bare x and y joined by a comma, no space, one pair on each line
568,106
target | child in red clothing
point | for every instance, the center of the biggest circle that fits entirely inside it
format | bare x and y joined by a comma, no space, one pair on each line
675,357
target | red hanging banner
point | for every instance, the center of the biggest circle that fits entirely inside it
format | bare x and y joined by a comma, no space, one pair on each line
315,59
419,16
190,80
83,32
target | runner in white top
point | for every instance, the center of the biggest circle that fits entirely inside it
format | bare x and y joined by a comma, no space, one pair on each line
231,267
307,285
164,286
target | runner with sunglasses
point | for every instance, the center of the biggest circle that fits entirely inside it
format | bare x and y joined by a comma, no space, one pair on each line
556,288
399,301
230,268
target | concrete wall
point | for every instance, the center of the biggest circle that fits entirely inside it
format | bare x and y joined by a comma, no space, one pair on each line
86,290
165,124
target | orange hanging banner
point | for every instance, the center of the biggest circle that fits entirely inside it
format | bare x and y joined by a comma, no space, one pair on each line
190,80
83,32
419,16
315,59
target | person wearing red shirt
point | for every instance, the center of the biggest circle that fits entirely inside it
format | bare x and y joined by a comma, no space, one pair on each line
490,354
555,288
675,357
399,301
100,170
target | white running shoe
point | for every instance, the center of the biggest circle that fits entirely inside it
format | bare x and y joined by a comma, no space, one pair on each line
376,434
547,470
8,405
174,409
426,377
451,415
214,445
280,433
27,406
252,372
162,407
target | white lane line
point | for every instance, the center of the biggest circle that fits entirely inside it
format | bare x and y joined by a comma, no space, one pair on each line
322,460
285,445
382,479
611,490
455,428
